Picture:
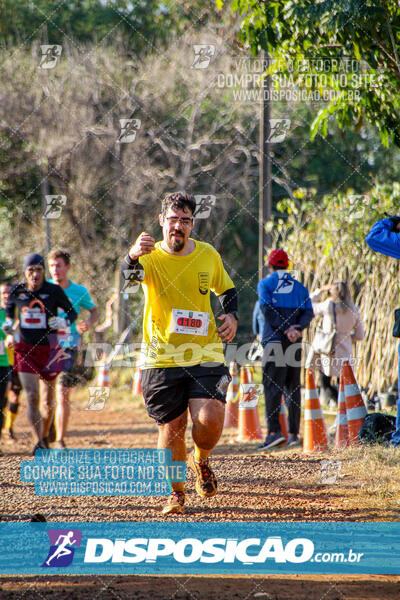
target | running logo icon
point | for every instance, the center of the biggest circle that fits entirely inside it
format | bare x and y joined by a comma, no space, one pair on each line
54,206
129,129
50,55
286,282
204,204
97,397
62,546
278,129
132,279
202,55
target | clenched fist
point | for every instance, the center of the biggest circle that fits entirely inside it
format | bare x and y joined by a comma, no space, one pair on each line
143,245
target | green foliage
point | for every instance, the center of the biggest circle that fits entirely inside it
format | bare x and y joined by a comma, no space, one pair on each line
142,25
362,37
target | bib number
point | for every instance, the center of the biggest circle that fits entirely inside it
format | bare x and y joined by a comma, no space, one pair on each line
33,318
189,322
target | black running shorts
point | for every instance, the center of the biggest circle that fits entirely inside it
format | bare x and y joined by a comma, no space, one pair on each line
167,391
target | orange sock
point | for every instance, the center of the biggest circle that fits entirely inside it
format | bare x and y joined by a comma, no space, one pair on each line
200,453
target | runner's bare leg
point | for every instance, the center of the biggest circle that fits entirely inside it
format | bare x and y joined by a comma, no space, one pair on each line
208,421
48,405
62,411
172,436
30,384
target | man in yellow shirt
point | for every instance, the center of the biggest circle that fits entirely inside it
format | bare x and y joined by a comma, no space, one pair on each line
183,362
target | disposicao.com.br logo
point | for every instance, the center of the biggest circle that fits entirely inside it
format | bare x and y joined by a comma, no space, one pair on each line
62,546
228,552
191,550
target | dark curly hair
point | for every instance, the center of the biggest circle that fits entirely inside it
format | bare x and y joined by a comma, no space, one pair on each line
178,200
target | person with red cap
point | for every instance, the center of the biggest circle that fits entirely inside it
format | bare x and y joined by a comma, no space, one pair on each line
287,308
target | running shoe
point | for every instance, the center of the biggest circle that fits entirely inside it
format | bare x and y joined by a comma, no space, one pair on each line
293,440
175,504
59,445
39,446
10,434
52,433
272,440
206,483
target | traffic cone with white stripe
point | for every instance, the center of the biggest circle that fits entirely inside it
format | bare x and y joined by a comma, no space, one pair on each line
249,423
283,419
232,397
315,435
342,430
103,379
355,407
137,383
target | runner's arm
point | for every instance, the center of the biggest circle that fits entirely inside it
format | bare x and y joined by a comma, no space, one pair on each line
223,287
229,302
10,313
132,269
94,316
384,238
86,303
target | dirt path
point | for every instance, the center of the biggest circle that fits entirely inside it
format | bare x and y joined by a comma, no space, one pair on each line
280,486
371,587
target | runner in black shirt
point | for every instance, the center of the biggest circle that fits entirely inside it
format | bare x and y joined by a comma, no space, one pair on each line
37,354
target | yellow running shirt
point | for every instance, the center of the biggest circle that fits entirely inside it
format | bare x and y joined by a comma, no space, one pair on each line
179,328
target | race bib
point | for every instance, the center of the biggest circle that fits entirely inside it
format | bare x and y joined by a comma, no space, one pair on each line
2,348
64,335
33,318
189,322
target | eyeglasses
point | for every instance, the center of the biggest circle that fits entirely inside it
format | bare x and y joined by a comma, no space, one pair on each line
185,221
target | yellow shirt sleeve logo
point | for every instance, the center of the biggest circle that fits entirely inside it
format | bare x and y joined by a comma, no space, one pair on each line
204,283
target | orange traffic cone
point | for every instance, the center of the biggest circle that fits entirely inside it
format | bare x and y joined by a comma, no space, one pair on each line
137,384
355,407
315,436
232,396
249,423
342,430
283,420
103,379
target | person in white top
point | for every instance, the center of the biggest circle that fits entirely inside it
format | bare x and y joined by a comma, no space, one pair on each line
349,329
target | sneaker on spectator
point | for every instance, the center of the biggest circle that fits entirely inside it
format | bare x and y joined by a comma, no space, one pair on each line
293,440
272,439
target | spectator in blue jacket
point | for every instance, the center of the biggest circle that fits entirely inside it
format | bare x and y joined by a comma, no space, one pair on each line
384,237
287,309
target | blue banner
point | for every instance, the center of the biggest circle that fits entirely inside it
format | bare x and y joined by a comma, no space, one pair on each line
199,548
87,472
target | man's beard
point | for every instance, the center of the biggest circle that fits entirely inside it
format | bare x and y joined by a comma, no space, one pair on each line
176,243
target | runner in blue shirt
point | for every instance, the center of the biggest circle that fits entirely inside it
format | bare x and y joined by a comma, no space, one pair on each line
70,337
